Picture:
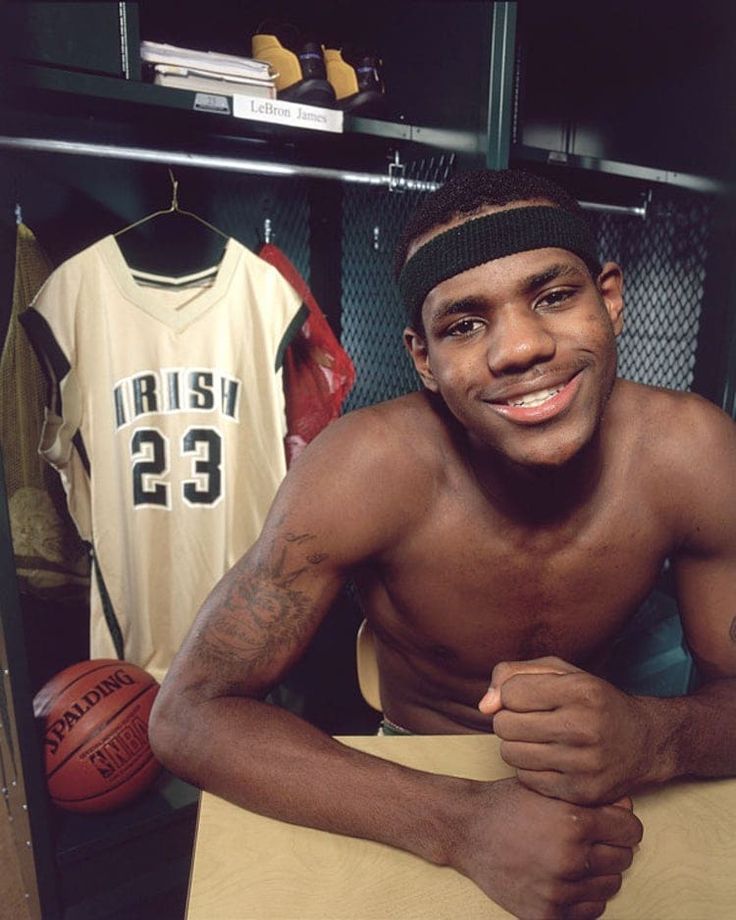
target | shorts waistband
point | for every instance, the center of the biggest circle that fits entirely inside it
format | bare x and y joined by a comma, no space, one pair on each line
387,727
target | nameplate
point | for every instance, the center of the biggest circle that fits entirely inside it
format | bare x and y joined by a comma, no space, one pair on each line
294,114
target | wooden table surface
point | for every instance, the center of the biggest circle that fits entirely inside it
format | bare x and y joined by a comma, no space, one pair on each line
247,867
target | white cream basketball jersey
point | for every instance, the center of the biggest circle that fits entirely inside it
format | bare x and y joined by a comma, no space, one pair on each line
166,425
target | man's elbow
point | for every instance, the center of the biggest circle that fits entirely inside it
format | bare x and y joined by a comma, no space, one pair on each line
167,729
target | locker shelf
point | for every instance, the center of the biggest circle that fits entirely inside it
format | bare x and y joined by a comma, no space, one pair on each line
103,94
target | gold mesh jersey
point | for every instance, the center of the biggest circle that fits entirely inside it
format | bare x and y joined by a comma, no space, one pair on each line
50,558
167,428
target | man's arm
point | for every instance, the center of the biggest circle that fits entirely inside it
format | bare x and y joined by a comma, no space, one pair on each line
211,726
699,736
575,736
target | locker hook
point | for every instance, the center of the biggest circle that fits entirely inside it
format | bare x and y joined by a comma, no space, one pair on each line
174,191
396,178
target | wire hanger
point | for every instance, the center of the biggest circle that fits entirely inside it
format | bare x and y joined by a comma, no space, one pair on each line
172,209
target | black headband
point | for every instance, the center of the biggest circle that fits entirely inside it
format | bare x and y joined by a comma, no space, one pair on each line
493,236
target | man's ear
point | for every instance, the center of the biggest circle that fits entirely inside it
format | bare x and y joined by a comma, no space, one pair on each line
417,348
611,286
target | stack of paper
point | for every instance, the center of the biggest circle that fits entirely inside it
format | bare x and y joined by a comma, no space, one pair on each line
208,71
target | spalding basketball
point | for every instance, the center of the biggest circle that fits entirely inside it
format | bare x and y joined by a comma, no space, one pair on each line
95,734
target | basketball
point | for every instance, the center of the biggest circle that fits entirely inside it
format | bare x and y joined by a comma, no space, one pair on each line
95,734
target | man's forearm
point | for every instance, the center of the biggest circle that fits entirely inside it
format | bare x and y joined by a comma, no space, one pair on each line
692,735
271,762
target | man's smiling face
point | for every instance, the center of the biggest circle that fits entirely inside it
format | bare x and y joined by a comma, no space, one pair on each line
522,350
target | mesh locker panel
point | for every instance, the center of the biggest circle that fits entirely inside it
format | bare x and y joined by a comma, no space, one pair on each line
242,204
373,316
663,259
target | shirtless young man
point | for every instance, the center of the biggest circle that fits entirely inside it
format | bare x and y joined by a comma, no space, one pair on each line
521,506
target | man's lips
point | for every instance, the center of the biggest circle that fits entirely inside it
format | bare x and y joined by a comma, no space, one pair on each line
531,407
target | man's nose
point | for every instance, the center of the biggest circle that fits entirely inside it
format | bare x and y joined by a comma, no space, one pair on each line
519,339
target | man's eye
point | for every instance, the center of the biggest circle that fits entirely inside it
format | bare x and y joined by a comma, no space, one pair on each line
464,327
553,298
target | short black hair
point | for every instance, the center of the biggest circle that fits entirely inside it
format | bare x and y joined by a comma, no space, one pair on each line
472,190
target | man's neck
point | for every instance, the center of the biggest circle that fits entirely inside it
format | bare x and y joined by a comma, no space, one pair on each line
538,494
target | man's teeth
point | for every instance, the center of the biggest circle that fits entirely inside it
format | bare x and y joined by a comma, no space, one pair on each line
534,399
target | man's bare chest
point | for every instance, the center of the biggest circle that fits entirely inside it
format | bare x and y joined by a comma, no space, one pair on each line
469,586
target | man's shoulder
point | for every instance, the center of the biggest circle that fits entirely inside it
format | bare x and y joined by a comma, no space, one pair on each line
368,473
406,422
671,423
674,408
688,461
400,437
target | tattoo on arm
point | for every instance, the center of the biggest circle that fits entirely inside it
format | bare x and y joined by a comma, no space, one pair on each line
298,537
732,630
262,613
